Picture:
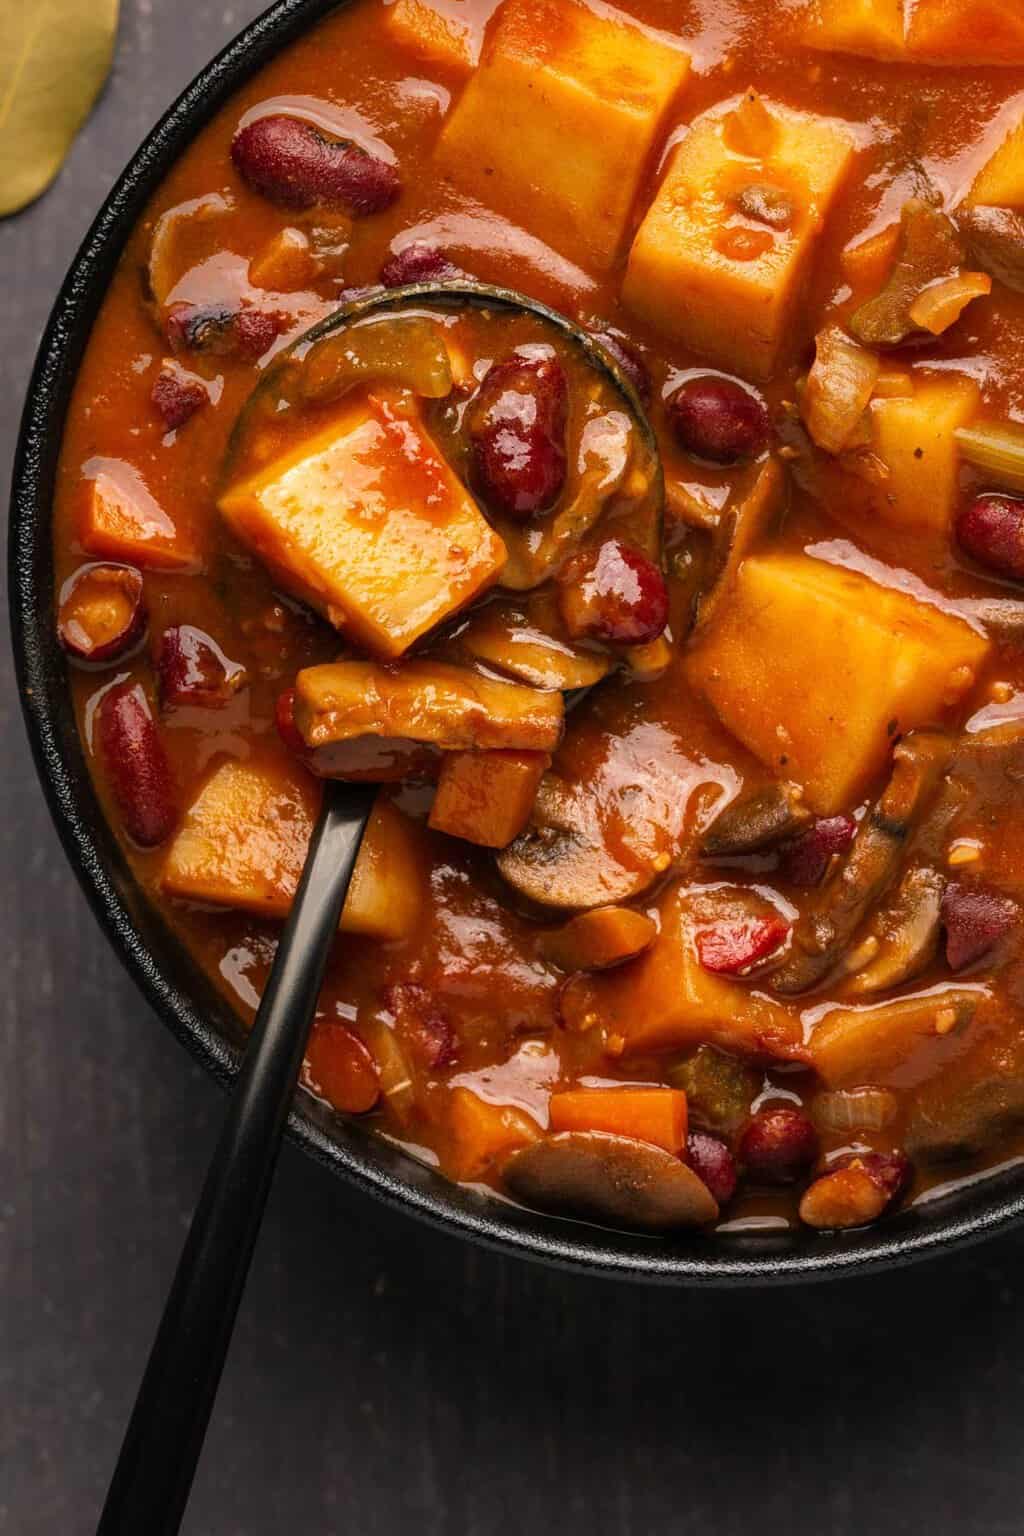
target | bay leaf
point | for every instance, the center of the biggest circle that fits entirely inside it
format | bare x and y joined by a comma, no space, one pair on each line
55,56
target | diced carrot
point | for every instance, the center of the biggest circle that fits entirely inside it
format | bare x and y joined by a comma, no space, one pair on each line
482,1132
120,520
487,797
340,1069
591,941
654,1115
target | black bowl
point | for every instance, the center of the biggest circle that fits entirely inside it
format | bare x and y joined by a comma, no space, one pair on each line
169,978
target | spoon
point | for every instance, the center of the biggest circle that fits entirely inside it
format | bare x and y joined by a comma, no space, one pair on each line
164,1438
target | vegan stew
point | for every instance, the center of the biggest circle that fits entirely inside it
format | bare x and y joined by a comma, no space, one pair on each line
677,609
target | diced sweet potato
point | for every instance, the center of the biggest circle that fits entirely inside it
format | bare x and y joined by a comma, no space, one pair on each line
870,28
1000,182
655,1115
437,31
903,1041
805,708
487,797
966,31
243,843
368,523
709,269
915,437
556,125
482,1132
867,265
285,263
592,941
119,520
364,721
666,1000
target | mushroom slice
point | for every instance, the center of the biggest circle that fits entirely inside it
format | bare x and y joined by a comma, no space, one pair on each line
561,859
523,641
609,1179
824,931
838,390
930,249
906,933
758,821
739,528
182,236
995,240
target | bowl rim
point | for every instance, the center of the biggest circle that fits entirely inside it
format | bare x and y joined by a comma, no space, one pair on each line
363,1159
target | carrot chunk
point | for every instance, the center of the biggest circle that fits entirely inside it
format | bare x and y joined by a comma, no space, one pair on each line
654,1115
482,1132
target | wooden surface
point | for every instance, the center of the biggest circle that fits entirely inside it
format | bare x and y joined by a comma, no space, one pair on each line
382,1379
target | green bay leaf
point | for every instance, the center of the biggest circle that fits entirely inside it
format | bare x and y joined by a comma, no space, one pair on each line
54,58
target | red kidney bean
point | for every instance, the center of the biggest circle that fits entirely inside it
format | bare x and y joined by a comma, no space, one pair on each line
804,860
294,164
719,419
734,944
284,719
613,593
991,529
177,395
256,330
418,263
193,669
629,360
422,1023
340,1069
975,919
135,764
516,425
713,1163
891,1171
778,1146
102,612
201,328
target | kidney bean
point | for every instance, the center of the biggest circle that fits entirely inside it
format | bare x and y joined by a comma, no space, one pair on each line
857,1189
135,764
991,529
201,328
102,612
713,1164
193,669
805,858
719,419
734,944
340,1069
418,263
778,1145
294,164
516,425
422,1023
613,593
256,330
177,395
629,360
975,919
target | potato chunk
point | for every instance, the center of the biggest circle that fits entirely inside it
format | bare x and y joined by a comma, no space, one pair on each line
915,437
368,721
1000,182
368,523
243,844
482,1133
720,259
665,1000
487,797
816,668
118,519
437,31
934,31
870,28
593,941
556,125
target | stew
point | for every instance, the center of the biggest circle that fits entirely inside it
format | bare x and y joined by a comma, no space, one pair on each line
677,609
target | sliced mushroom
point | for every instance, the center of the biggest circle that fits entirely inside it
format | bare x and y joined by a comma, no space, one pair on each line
823,932
995,241
609,1179
930,249
949,1120
838,390
739,528
181,237
756,822
524,641
906,933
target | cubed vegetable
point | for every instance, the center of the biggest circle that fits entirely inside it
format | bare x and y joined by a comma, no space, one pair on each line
437,31
718,265
556,125
870,28
592,941
482,1132
118,519
910,1037
655,1115
872,663
487,797
1000,182
367,522
915,437
937,31
243,843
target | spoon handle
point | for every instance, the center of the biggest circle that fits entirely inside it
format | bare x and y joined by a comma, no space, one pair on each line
161,1447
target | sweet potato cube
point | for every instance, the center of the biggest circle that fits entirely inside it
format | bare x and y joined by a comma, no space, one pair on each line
966,31
1000,182
666,1001
594,940
656,1115
872,29
915,437
816,668
357,717
118,519
556,126
719,261
243,843
437,31
368,523
903,1041
482,1132
487,797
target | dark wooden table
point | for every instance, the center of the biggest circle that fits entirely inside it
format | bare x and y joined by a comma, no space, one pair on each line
382,1379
